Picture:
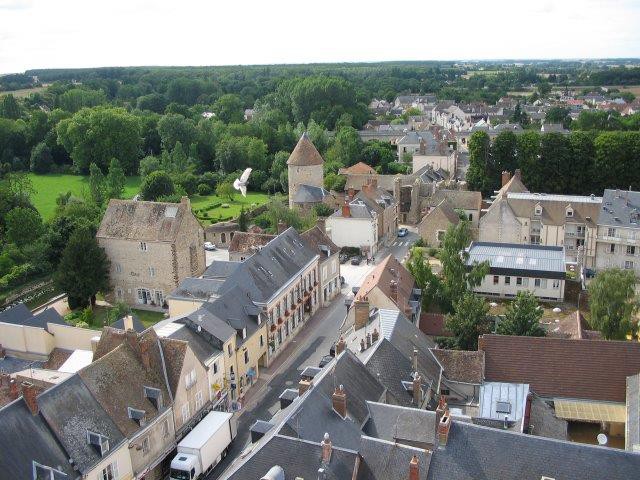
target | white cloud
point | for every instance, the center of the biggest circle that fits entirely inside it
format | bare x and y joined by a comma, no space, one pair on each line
75,33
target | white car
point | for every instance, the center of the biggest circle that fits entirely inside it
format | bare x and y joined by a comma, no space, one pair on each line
209,246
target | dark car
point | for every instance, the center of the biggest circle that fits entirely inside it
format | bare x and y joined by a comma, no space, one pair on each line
356,260
343,257
326,359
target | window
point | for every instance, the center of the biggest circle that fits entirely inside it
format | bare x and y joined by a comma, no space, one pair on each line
271,316
110,472
261,341
536,282
612,248
152,271
230,349
507,280
99,442
143,246
518,280
569,212
215,367
246,356
165,429
119,293
42,472
440,235
185,413
628,265
631,250
496,279
471,217
146,447
538,210
118,268
556,284
611,232
199,401
190,379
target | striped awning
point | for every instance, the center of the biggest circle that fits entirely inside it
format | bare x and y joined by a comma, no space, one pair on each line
584,411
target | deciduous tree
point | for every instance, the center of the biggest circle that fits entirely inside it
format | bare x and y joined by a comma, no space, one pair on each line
612,303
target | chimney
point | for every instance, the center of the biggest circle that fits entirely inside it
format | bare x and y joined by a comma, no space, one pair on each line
368,337
375,335
303,386
361,313
373,182
362,345
339,400
145,355
29,393
518,174
415,359
326,449
423,147
281,227
346,210
2,352
128,322
393,287
13,389
351,193
414,469
417,389
443,428
185,201
340,346
131,338
506,176
442,408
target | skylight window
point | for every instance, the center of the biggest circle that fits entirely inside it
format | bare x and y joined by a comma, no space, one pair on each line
99,442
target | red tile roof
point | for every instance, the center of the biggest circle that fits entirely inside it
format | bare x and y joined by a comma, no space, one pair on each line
558,367
433,324
388,270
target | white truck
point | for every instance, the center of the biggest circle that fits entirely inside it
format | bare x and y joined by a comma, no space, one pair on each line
204,447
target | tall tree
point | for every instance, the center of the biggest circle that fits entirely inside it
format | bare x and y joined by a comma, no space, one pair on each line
522,317
24,226
228,108
479,175
612,303
96,184
115,180
9,107
157,184
469,320
428,281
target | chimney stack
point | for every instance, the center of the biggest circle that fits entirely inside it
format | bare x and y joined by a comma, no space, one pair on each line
506,176
145,355
414,469
443,428
346,210
417,389
423,147
326,449
128,322
351,193
415,359
518,174
29,393
442,407
13,389
2,352
185,201
303,386
361,313
339,400
375,335
393,287
340,346
321,224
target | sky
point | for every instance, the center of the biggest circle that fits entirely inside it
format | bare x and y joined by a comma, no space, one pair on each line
91,33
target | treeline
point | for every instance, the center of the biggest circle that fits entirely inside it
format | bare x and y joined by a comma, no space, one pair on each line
578,163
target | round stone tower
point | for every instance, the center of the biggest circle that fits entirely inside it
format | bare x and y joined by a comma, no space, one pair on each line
305,167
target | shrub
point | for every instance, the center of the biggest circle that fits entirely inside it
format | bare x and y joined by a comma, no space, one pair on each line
204,189
432,252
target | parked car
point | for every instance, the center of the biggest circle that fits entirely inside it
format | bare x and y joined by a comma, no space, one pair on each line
326,359
209,246
356,260
402,232
343,257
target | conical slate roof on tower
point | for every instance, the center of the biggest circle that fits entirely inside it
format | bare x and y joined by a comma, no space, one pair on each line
305,154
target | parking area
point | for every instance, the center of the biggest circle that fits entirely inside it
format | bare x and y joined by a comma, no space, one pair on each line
354,275
219,254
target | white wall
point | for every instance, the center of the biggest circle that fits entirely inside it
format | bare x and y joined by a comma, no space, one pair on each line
501,289
353,232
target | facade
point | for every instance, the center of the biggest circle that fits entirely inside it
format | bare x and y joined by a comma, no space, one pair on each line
386,207
514,267
329,263
306,174
567,221
221,233
152,246
465,201
355,225
618,231
434,225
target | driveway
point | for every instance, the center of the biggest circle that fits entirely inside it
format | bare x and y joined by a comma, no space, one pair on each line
219,254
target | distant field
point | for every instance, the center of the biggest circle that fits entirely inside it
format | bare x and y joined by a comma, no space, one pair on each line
48,187
23,92
635,89
482,72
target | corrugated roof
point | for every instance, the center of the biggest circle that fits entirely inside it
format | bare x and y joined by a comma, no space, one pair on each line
530,258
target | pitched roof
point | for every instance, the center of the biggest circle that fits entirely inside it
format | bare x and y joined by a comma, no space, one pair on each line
138,326
310,194
558,367
554,207
243,242
620,209
220,269
143,221
401,424
21,315
320,242
358,168
515,258
305,153
25,439
433,324
382,460
476,452
464,199
543,421
445,209
461,366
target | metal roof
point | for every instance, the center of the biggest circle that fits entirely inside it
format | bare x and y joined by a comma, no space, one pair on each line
554,198
500,399
521,258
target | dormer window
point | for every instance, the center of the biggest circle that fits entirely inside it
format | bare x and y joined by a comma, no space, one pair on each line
538,210
138,416
569,212
154,395
99,442
42,472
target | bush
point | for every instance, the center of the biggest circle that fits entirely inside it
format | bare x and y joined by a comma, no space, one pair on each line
204,189
188,181
41,158
419,243
157,184
323,210
432,252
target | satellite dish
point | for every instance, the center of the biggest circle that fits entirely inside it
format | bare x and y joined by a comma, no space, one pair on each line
602,439
557,310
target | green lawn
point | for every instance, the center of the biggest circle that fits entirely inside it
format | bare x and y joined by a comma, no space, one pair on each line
48,187
147,317
210,207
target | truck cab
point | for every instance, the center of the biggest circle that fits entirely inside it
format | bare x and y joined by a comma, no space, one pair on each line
185,467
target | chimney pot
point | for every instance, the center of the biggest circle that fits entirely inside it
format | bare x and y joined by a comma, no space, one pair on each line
339,400
13,389
415,359
506,176
303,386
368,340
361,313
29,393
443,428
128,322
362,346
340,346
346,210
375,336
2,352
326,449
414,469
442,407
417,389
393,287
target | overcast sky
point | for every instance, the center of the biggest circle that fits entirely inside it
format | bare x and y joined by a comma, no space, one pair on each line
86,33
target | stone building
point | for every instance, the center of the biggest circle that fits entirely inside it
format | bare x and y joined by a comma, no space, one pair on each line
152,246
306,175
435,224
221,233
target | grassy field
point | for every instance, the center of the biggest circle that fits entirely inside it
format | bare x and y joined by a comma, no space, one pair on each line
210,207
24,92
148,318
48,187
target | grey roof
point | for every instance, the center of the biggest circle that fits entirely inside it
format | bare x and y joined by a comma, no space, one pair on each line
384,460
464,199
543,421
210,322
138,326
197,288
298,458
13,364
234,310
203,346
309,194
358,208
427,174
401,424
475,452
633,412
511,258
220,269
71,410
21,315
492,394
620,208
25,439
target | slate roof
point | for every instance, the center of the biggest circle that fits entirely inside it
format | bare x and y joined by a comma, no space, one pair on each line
394,423
243,242
70,411
463,199
445,209
475,452
543,421
138,326
558,367
461,366
383,460
143,221
621,204
358,208
554,207
305,153
221,269
319,242
632,430
198,289
27,438
310,194
298,458
21,315
515,259
202,349
235,310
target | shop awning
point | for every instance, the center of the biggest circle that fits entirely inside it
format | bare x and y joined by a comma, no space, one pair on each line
585,411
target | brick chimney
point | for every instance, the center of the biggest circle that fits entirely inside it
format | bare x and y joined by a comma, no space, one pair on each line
185,201
346,210
393,288
351,193
423,147
2,352
326,449
281,227
303,386
375,335
443,428
361,313
29,393
339,400
417,389
340,346
442,407
128,322
13,389
414,469
414,359
506,176
518,174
